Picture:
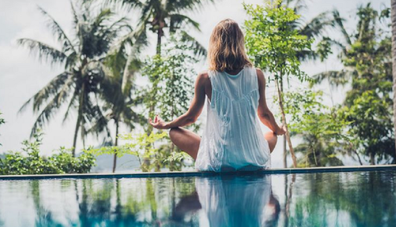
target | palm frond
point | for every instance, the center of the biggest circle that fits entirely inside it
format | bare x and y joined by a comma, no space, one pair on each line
44,51
298,6
93,113
340,23
177,20
305,55
335,78
186,5
75,15
67,45
49,111
103,16
125,4
110,33
198,49
317,26
133,63
72,103
49,91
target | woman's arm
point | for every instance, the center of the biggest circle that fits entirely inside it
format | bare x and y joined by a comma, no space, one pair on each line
264,114
194,110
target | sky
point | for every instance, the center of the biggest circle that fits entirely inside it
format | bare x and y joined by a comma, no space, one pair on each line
22,75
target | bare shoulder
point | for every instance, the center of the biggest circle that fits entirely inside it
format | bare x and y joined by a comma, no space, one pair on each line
260,76
203,75
203,78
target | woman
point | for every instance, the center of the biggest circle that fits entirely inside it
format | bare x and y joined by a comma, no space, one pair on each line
235,93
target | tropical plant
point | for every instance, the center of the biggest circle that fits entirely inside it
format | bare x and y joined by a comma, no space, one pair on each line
367,59
371,127
157,16
171,84
31,162
320,127
82,60
171,80
273,45
150,151
314,29
118,101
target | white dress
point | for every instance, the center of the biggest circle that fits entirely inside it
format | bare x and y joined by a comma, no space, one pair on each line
230,200
233,139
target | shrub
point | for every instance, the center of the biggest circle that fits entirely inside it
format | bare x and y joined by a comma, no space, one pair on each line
31,162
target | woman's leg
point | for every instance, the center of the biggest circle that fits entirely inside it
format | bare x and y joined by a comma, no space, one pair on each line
271,139
186,140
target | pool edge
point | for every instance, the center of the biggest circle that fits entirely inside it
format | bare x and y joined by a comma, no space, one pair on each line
200,174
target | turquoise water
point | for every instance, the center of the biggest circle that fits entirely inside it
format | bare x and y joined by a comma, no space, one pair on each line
320,199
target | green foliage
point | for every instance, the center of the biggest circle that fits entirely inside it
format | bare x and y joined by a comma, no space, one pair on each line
168,95
150,151
171,80
368,69
82,61
31,162
358,195
167,16
371,125
271,41
323,48
320,127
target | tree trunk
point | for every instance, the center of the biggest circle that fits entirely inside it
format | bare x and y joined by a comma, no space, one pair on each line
372,158
393,18
284,153
115,144
285,125
284,138
79,117
125,75
159,39
285,209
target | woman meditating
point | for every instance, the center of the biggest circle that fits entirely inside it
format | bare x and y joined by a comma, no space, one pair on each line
235,91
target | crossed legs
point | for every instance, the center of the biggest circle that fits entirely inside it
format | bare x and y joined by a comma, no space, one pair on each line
271,139
188,141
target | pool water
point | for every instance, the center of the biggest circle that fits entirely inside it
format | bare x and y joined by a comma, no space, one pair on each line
317,199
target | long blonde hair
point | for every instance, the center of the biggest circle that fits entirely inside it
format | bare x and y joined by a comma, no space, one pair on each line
227,47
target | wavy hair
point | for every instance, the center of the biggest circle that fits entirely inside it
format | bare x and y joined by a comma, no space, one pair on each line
227,47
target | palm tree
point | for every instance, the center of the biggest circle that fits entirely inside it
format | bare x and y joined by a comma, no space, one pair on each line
393,18
366,57
156,15
82,60
118,101
312,29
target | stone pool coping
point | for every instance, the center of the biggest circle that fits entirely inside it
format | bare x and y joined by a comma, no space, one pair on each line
200,174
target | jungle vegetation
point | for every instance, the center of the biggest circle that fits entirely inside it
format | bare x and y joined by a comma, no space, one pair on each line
103,57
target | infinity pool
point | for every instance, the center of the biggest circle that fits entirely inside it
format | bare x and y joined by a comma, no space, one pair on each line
319,199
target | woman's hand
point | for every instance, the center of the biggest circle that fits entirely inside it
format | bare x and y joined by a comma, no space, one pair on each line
158,123
280,131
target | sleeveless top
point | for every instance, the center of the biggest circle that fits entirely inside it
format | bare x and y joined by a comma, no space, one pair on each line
233,139
234,200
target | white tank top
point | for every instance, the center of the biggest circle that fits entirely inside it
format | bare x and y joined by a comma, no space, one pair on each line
233,139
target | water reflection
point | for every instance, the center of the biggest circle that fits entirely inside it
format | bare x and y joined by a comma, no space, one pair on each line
331,199
231,201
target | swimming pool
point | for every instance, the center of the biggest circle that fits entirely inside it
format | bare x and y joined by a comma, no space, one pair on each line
366,198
